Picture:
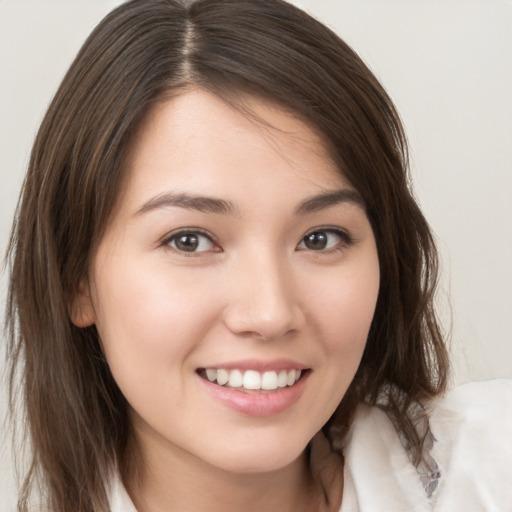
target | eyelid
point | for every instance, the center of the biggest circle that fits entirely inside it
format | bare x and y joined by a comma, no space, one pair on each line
346,237
167,239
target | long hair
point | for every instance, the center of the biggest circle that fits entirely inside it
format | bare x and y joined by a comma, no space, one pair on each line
76,417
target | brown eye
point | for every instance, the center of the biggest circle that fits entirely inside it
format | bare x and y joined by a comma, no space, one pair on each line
316,241
323,239
190,241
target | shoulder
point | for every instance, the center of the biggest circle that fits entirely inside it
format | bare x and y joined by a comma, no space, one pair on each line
472,427
118,498
475,408
492,397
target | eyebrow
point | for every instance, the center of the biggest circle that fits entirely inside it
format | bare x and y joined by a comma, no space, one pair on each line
328,199
189,202
208,204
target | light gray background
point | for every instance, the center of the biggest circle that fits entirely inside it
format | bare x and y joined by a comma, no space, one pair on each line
448,66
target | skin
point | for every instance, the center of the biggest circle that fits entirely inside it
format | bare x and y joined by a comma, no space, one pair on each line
253,290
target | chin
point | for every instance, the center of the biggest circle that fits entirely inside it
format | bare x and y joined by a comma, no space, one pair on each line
257,456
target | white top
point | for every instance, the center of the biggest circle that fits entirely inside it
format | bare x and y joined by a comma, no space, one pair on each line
472,428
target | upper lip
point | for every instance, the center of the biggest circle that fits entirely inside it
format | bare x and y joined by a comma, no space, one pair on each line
259,365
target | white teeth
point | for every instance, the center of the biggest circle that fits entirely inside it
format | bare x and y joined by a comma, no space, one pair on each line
222,377
212,375
282,379
236,379
269,381
252,379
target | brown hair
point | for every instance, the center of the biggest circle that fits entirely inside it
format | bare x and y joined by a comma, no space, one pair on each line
76,416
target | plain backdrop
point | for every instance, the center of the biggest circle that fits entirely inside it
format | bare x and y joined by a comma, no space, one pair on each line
448,66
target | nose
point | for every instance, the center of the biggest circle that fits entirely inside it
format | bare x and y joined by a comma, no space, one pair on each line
263,302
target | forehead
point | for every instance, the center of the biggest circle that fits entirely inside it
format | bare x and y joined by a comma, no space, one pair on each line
197,140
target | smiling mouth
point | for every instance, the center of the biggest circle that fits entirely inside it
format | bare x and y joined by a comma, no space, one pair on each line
252,381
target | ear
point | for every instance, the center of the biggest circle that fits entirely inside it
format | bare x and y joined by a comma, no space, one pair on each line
82,309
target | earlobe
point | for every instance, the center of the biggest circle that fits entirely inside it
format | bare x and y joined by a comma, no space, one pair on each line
82,309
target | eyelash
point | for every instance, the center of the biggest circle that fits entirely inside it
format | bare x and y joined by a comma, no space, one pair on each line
167,241
345,240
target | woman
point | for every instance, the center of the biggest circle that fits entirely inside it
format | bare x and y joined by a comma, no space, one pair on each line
221,289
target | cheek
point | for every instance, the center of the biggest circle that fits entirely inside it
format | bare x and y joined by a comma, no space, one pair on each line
344,310
148,319
345,305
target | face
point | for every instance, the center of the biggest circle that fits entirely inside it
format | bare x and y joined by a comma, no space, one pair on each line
234,287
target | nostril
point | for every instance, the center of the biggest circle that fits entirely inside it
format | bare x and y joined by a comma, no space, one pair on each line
261,322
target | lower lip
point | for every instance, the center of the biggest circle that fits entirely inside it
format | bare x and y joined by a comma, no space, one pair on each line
258,404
